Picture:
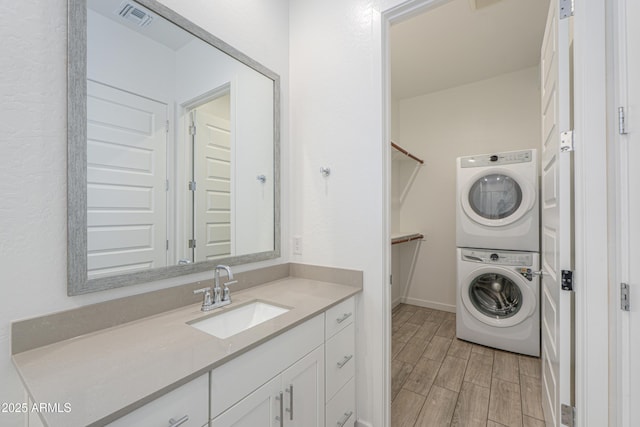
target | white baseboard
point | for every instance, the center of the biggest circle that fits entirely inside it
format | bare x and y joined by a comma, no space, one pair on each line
428,304
361,423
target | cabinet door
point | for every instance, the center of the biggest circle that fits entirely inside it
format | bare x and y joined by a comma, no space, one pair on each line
259,409
303,385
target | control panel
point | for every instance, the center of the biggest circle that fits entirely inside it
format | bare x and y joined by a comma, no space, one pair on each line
484,160
499,258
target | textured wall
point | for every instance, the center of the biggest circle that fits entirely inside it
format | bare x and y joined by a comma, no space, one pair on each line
33,151
336,99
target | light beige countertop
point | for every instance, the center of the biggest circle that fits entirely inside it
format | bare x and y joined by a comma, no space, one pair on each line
107,374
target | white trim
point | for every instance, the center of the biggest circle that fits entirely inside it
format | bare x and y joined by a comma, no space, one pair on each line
426,303
382,25
619,262
591,278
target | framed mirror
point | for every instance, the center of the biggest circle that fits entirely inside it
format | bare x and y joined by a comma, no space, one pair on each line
173,148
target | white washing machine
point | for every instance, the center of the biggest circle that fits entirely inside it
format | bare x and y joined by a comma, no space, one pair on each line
498,299
497,201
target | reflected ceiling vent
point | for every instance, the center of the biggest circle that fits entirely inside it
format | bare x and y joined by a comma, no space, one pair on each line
133,13
479,4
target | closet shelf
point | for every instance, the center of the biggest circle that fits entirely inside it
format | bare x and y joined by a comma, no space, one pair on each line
397,238
406,153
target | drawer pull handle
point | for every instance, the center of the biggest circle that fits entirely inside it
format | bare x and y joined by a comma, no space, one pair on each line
290,408
344,361
344,419
281,417
344,317
179,422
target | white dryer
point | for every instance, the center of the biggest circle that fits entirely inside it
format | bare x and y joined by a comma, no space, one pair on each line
498,299
497,201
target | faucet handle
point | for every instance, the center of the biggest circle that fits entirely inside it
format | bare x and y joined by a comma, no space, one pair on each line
207,296
225,293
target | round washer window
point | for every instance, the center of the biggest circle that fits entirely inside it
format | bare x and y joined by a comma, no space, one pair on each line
495,295
495,196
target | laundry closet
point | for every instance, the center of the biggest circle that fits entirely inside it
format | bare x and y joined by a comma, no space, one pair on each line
465,80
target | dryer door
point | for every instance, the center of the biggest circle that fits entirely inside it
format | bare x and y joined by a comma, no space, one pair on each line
498,296
497,197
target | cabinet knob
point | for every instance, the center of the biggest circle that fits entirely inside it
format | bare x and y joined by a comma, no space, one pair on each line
290,409
344,361
344,419
178,422
343,317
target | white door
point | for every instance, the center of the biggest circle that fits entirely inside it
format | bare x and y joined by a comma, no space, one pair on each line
304,391
213,201
259,409
556,220
126,181
629,220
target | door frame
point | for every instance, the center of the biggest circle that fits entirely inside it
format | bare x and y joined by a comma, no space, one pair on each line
620,263
591,214
591,199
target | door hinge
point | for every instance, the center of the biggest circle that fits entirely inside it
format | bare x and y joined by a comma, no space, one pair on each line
167,126
192,129
566,141
567,280
567,415
624,297
622,129
391,279
192,186
167,244
166,185
567,8
192,243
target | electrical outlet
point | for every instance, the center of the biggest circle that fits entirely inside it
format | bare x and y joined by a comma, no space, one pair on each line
297,245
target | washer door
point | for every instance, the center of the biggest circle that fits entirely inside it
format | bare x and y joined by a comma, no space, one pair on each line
497,197
497,296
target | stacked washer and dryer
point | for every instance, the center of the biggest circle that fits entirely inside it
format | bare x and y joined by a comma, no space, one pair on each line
498,244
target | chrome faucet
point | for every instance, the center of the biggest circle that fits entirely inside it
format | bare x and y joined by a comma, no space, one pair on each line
221,297
226,297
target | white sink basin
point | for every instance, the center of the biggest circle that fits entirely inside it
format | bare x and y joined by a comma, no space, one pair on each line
234,320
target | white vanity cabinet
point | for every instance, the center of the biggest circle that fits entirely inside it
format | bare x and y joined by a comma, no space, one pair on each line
186,406
293,398
340,364
285,372
302,378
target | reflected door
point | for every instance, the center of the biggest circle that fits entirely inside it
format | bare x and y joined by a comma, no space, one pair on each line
213,225
126,181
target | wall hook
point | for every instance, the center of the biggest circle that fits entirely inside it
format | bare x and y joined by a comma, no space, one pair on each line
261,178
325,171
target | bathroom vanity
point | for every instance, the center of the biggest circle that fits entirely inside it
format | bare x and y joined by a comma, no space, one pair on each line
296,368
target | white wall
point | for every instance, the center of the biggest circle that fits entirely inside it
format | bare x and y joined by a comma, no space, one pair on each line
498,114
33,152
336,122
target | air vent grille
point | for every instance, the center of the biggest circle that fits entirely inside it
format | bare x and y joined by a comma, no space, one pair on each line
135,14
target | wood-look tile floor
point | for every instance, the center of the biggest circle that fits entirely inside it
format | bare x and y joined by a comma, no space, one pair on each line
438,380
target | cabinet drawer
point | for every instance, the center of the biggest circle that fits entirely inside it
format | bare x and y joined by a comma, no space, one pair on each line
340,358
338,317
341,410
190,400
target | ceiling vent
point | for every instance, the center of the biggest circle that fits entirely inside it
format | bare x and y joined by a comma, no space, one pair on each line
135,14
479,4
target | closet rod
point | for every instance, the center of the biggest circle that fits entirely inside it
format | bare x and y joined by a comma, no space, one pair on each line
406,153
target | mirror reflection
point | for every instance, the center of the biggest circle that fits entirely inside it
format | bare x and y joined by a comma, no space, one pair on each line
180,146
